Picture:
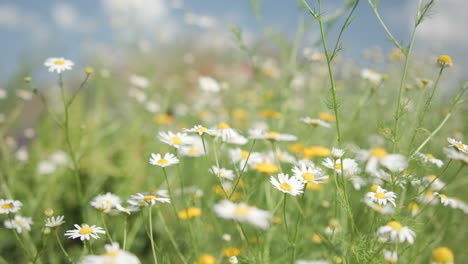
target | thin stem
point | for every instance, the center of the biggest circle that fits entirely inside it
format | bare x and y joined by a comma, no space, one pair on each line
284,216
105,228
61,247
377,14
432,134
171,238
153,249
170,192
125,233
242,170
211,169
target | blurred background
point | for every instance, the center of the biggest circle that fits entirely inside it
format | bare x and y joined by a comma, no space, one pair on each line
113,29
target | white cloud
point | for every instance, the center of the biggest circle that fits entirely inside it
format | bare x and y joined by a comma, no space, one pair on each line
67,17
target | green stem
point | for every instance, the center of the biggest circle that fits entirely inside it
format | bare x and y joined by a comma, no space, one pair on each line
105,228
125,233
171,238
153,249
170,192
242,170
61,247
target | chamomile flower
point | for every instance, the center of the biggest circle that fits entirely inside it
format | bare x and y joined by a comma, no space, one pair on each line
387,209
223,173
337,153
200,130
429,158
113,255
138,81
371,76
378,156
175,139
106,202
54,221
127,209
390,257
9,206
271,135
229,135
309,174
393,231
58,64
442,255
85,232
456,155
381,196
208,84
146,199
293,186
444,61
433,182
447,201
458,145
349,166
315,122
19,223
242,212
166,161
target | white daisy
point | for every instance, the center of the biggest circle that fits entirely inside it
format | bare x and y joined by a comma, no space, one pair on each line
429,158
393,231
228,135
433,182
387,209
454,154
54,221
106,202
200,130
59,158
208,84
127,209
9,206
372,76
337,153
168,160
113,255
145,199
349,166
176,140
293,186
223,173
3,94
309,174
315,122
46,167
242,212
381,196
85,232
139,81
357,182
271,135
448,201
19,223
377,157
195,149
282,156
58,64
458,145
390,257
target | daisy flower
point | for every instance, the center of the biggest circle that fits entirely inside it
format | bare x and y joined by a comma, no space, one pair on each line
222,173
127,209
194,149
242,212
58,64
393,231
54,221
199,129
337,153
138,81
390,257
429,158
442,255
145,199
371,76
176,140
113,255
381,196
85,232
444,61
106,202
349,166
377,157
458,145
433,182
447,201
270,135
9,206
228,134
456,155
208,84
315,122
168,160
387,209
309,174
19,223
293,186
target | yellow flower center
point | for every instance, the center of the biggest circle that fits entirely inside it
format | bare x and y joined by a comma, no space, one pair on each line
431,177
59,62
316,151
317,239
459,145
327,117
206,259
308,176
266,167
338,166
413,207
164,119
373,188
272,135
286,186
86,230
189,213
223,125
244,154
176,140
380,195
444,60
429,156
149,198
193,150
443,196
379,152
395,225
442,255
232,251
202,129
163,162
112,253
7,206
242,210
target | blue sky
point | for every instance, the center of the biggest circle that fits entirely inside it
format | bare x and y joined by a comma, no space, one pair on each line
34,30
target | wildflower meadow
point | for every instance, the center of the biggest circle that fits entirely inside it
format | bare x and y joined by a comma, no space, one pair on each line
278,150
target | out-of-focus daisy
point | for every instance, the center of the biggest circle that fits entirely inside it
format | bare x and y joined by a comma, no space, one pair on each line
113,255
59,158
22,154
3,94
309,174
315,122
293,186
9,206
228,134
357,181
176,140
381,196
54,221
199,129
458,145
19,223
428,197
387,209
233,260
138,81
313,55
208,84
429,158
444,61
433,182
337,153
371,76
282,156
242,212
456,155
106,202
222,172
127,209
315,151
442,255
378,156
145,199
271,135
240,156
413,208
447,201
349,166
189,213
327,117
393,231
85,232
168,160
46,167
333,227
24,94
58,64
390,257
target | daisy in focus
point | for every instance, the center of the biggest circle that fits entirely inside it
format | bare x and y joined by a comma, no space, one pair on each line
58,64
309,174
54,221
174,139
293,186
381,196
106,202
85,232
146,199
458,145
166,161
393,231
9,206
